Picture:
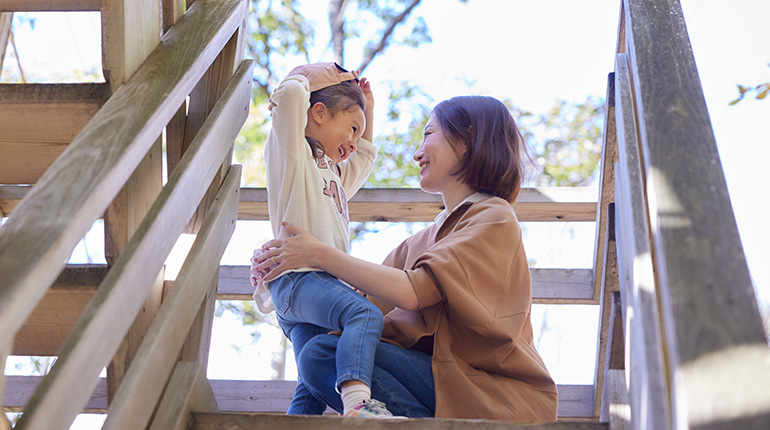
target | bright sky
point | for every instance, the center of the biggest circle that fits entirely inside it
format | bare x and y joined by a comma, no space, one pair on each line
533,52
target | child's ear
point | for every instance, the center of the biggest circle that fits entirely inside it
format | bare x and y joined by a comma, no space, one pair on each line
318,112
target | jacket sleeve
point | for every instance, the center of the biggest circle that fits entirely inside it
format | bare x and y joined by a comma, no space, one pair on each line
292,99
479,268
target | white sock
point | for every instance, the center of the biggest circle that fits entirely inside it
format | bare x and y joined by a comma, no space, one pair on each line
353,394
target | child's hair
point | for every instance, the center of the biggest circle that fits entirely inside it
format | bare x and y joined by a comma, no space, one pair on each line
337,98
494,145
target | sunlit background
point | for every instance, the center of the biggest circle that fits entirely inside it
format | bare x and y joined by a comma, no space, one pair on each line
537,56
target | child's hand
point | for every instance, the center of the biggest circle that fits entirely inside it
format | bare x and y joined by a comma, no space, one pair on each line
256,274
366,88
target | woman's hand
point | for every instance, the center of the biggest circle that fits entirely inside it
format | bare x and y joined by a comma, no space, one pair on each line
278,255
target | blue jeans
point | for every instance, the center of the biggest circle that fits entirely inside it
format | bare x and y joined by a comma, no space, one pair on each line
312,303
402,378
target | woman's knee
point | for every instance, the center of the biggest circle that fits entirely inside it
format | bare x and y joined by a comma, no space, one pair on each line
318,353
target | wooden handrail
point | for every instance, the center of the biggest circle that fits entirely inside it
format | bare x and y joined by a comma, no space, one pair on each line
104,323
143,385
403,204
36,242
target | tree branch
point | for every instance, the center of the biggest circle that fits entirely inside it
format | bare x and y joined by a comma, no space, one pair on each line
386,35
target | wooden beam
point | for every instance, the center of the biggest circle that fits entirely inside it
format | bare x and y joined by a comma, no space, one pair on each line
130,32
619,412
154,362
6,19
606,185
648,385
97,335
52,320
409,205
615,356
406,204
272,396
50,5
609,279
29,149
699,258
188,391
552,286
240,421
47,225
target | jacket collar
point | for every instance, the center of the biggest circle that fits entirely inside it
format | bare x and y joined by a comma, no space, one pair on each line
473,198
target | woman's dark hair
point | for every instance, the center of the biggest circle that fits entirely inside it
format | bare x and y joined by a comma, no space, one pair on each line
337,98
494,145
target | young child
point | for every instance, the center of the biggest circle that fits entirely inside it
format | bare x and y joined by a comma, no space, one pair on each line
318,152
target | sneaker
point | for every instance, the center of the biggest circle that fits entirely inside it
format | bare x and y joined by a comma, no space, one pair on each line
370,408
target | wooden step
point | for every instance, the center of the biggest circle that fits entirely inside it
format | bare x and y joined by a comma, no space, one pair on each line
268,397
235,421
38,121
50,5
55,315
403,205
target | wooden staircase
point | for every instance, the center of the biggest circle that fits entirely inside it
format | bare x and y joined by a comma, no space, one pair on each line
680,344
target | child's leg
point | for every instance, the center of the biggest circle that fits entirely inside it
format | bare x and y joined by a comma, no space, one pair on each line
321,299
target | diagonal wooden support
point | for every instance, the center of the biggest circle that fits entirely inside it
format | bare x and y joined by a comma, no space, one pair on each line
188,391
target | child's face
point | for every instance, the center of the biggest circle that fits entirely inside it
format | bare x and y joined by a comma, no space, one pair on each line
338,133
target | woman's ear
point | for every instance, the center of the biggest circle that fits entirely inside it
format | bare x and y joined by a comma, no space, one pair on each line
318,112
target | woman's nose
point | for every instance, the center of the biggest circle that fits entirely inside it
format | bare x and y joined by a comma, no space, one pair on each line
418,154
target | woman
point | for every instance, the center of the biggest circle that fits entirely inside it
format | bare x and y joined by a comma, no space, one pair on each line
457,341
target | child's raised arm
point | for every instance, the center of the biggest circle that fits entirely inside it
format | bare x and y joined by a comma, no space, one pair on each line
366,87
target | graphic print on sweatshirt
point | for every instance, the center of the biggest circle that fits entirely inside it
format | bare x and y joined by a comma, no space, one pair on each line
332,189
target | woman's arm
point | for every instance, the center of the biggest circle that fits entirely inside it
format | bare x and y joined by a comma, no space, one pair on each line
303,250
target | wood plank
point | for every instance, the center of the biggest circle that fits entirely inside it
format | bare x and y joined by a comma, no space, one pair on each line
267,396
615,356
551,286
155,361
609,279
97,335
130,32
706,293
241,421
44,228
28,149
6,19
188,391
405,204
618,409
607,184
275,396
409,205
50,5
4,423
19,390
647,383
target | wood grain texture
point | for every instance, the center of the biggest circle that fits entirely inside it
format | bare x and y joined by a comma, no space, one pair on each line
648,385
188,391
233,421
408,205
44,228
606,182
97,335
157,356
29,149
50,5
553,286
396,205
6,19
609,279
712,322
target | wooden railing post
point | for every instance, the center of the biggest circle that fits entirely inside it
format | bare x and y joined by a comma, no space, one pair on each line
716,349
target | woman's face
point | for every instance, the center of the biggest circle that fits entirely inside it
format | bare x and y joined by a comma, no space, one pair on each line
437,159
